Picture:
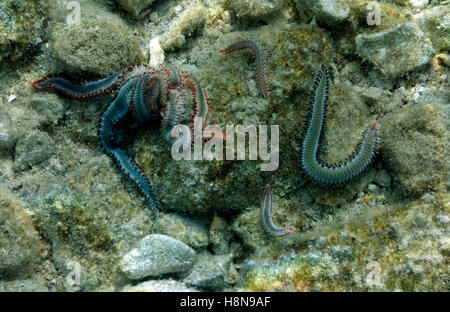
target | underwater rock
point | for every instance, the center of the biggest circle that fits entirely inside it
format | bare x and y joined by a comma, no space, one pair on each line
86,216
22,26
385,248
435,23
96,47
209,271
32,149
251,230
135,7
160,286
249,227
219,235
15,122
183,229
329,12
29,285
19,241
395,51
383,179
347,116
88,212
49,107
419,3
22,116
202,186
190,23
414,147
254,9
155,255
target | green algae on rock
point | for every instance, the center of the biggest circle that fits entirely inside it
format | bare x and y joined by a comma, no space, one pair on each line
294,51
435,22
25,115
209,272
96,47
388,249
414,147
397,50
19,241
35,148
190,23
329,12
183,229
135,7
255,9
22,28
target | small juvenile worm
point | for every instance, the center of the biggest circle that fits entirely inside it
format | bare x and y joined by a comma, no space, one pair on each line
267,216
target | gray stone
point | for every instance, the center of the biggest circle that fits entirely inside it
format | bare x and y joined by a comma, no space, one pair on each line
219,235
19,243
32,149
395,51
254,9
49,108
209,272
29,285
183,229
159,286
383,178
435,23
15,122
330,12
22,28
97,47
157,254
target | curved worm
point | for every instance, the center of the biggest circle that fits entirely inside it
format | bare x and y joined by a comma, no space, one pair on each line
344,171
267,217
260,55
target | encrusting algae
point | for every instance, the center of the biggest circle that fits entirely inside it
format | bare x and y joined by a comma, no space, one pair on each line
65,203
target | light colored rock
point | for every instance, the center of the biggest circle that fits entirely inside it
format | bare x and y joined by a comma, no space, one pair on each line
19,242
191,22
183,229
419,3
254,9
32,149
159,286
329,12
22,25
209,272
414,147
157,254
219,235
435,23
156,52
395,51
98,46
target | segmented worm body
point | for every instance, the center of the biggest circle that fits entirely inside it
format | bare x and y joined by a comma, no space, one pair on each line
259,53
267,216
144,95
343,171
